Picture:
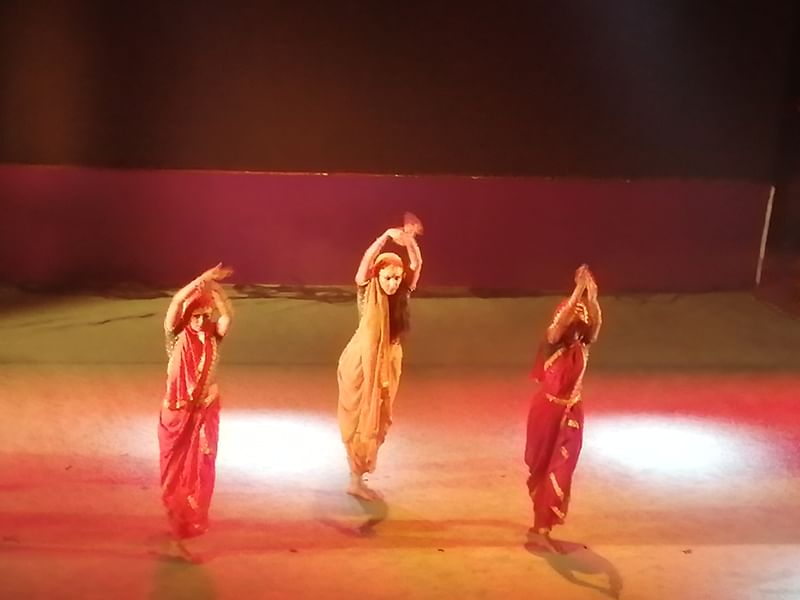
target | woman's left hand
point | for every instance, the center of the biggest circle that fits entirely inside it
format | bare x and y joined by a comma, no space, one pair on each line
591,286
412,225
401,237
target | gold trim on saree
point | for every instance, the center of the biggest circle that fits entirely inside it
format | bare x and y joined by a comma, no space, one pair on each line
204,441
553,357
556,487
568,402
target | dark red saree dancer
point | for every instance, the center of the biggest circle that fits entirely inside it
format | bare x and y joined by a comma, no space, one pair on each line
188,427
555,420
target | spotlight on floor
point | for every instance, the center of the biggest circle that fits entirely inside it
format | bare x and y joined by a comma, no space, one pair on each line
670,445
278,444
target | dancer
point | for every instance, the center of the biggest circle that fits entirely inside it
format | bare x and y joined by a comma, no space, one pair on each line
189,422
555,421
370,365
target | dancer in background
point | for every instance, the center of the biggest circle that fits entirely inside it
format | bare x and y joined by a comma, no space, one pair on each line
188,427
370,365
555,421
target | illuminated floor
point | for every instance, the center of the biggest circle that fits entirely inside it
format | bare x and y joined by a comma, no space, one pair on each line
687,487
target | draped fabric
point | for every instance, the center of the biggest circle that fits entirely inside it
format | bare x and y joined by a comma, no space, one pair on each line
188,430
368,376
555,432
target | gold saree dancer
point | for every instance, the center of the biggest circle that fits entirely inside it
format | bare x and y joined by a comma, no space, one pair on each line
370,365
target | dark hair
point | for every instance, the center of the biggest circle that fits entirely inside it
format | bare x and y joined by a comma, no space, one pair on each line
399,314
577,329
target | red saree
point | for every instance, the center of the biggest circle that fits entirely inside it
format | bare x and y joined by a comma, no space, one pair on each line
555,432
188,430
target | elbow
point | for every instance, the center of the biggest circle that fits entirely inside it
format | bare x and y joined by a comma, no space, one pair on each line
173,328
362,277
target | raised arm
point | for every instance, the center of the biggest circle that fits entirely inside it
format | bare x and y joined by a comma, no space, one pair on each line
414,260
593,307
173,319
565,314
364,272
223,306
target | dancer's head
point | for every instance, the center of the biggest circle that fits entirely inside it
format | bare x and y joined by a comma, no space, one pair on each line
198,310
579,325
389,270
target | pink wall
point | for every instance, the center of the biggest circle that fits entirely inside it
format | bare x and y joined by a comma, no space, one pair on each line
66,225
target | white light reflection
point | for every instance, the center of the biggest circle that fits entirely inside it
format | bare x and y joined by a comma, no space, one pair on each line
279,444
669,445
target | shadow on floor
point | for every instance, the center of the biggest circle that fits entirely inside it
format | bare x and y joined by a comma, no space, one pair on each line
574,559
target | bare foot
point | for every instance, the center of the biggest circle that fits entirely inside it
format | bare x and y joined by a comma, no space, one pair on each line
541,539
176,550
359,489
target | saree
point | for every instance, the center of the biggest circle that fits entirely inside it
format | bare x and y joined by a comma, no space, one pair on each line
188,430
555,432
368,376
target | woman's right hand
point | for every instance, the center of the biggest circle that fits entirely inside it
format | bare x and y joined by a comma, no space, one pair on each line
580,277
216,273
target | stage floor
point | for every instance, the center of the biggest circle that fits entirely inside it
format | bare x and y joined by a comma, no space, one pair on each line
687,486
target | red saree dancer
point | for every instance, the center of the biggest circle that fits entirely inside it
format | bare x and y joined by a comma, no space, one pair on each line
555,420
188,428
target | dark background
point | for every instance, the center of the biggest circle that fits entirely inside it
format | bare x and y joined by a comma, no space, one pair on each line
622,88
615,90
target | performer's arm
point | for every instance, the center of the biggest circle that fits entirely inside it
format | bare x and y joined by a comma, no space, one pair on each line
593,307
414,260
224,307
363,274
173,319
565,314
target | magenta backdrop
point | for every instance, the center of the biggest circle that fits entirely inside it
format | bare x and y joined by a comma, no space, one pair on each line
65,225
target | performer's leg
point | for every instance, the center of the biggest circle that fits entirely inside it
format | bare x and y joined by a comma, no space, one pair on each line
541,435
358,469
